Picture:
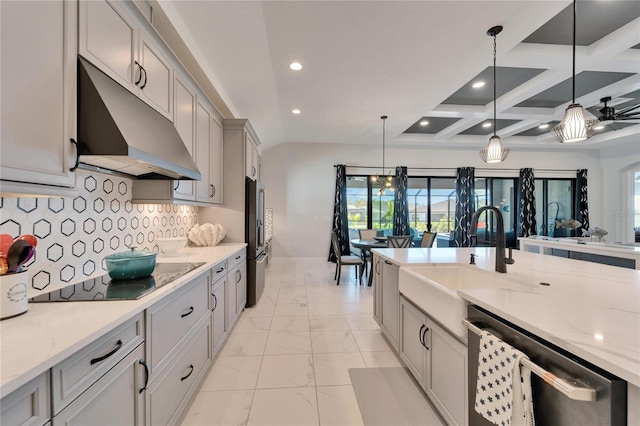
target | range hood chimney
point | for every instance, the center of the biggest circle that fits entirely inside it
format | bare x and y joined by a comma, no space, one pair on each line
118,131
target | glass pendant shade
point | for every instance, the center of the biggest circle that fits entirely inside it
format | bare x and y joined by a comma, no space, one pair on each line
574,127
494,152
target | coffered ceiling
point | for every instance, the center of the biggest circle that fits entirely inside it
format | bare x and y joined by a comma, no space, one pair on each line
414,61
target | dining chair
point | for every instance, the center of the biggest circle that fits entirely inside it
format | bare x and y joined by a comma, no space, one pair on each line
399,241
344,260
367,234
427,239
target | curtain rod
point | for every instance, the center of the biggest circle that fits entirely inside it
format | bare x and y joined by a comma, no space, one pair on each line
453,168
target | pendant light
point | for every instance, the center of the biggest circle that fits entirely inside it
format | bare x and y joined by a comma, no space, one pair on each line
384,181
494,152
574,127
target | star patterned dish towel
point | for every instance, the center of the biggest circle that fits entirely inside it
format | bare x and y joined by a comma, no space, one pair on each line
503,394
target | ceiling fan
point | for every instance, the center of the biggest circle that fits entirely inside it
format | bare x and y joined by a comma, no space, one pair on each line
609,115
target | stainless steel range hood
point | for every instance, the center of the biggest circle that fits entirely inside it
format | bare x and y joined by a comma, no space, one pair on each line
118,131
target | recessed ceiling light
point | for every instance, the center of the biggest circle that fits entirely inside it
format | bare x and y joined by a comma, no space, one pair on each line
487,124
543,126
598,336
296,66
599,127
478,84
424,123
296,111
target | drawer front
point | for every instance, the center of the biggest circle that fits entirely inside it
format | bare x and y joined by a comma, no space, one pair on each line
75,374
237,258
170,393
29,405
170,321
113,400
219,271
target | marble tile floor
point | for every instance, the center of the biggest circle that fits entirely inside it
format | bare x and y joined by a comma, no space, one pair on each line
286,360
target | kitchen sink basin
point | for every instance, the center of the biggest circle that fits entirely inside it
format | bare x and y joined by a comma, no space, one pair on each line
434,289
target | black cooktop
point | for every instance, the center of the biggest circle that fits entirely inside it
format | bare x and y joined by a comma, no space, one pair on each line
104,288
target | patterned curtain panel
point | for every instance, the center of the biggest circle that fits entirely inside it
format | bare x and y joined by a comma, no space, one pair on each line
526,183
340,218
582,204
465,205
400,205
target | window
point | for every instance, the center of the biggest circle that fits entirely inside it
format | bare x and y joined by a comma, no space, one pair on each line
432,206
500,193
554,201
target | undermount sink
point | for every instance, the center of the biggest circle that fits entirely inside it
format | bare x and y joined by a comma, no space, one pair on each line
434,289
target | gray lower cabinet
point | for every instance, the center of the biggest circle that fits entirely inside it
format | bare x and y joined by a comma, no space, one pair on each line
170,392
446,383
377,288
390,302
437,360
117,398
171,319
29,405
412,349
218,320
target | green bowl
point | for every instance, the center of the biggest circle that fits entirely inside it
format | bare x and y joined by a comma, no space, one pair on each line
130,264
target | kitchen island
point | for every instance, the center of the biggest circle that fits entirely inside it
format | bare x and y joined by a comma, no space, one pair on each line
588,309
48,333
616,254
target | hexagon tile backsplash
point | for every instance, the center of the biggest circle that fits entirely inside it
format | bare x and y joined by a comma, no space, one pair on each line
75,234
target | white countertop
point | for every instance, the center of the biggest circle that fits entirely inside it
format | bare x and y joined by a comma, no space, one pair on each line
590,310
584,245
50,332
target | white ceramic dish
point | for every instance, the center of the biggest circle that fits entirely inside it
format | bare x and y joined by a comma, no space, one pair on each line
170,246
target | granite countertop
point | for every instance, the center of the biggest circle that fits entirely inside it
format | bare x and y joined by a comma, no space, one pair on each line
589,309
50,332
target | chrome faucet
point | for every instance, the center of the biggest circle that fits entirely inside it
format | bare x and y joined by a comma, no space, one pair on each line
501,261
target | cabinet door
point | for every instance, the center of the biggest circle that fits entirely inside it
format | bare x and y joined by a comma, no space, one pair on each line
185,121
218,332
413,325
390,302
251,156
240,279
38,63
115,399
446,376
216,162
156,86
108,39
377,288
169,393
29,405
203,140
232,300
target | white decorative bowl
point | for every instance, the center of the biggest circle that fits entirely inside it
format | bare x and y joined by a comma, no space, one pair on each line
170,246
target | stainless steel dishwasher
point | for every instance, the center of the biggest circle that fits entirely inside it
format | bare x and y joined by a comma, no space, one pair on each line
577,378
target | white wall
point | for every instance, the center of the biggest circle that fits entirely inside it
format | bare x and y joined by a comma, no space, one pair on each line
617,207
300,181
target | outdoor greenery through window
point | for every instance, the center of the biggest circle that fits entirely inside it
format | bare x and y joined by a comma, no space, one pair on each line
432,205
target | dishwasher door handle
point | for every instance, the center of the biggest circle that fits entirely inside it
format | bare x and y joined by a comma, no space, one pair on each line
578,393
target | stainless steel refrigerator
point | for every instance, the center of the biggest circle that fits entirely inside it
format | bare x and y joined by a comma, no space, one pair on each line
255,238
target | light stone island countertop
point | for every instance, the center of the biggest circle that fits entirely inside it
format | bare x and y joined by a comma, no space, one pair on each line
50,332
590,310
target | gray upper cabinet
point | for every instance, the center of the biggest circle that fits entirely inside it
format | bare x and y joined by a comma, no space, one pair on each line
252,158
208,154
124,49
38,103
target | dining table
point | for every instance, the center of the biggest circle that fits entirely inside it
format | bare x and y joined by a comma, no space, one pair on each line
366,245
